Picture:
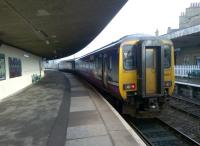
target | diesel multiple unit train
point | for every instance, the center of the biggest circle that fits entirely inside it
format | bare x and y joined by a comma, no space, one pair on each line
137,70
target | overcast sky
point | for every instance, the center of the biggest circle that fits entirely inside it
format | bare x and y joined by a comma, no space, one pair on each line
139,16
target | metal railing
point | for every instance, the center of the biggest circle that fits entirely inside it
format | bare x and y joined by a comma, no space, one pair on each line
187,71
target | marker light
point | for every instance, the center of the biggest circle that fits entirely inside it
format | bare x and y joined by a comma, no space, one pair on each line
168,83
129,86
26,55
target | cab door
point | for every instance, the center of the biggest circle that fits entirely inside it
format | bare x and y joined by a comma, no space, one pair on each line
150,67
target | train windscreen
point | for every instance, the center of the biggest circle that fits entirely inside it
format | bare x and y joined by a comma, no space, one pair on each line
129,57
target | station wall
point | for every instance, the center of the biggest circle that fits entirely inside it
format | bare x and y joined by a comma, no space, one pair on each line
17,71
188,56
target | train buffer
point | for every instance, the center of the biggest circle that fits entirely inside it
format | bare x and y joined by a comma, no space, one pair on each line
61,110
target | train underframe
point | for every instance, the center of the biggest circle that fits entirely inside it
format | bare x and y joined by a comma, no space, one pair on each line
140,107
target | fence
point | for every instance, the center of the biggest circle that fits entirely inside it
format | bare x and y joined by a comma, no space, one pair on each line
187,71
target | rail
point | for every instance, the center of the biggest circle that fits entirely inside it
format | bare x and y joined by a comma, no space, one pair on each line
156,132
187,106
142,136
188,100
181,134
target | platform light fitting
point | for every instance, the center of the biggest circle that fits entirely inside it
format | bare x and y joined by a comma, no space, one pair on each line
41,35
47,42
26,55
53,36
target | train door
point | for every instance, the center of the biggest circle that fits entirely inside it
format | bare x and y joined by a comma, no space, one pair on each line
105,70
151,73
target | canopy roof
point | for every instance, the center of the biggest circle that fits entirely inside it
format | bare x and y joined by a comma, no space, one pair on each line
54,28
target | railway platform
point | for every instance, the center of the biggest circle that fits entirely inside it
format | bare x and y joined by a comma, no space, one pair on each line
188,82
93,122
62,110
188,87
29,118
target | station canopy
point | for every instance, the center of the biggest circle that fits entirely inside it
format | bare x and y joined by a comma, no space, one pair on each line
184,38
54,28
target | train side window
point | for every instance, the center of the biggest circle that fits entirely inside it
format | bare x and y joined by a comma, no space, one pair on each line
167,56
129,57
99,69
110,63
99,61
96,62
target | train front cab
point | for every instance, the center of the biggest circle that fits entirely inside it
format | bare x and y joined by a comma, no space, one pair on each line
146,74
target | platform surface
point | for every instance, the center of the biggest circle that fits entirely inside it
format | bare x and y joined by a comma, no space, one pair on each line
188,82
29,117
60,110
91,121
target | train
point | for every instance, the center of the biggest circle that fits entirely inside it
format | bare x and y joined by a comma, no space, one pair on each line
67,66
137,70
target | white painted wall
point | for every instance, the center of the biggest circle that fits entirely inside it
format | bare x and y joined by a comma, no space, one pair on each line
30,65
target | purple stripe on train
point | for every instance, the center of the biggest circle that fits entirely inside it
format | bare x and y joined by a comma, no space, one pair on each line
91,77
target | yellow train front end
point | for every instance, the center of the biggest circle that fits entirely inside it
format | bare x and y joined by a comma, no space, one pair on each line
127,75
146,73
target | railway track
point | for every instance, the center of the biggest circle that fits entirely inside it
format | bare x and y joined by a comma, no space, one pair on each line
184,105
158,133
155,132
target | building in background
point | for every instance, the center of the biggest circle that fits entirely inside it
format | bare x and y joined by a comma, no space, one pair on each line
187,37
190,17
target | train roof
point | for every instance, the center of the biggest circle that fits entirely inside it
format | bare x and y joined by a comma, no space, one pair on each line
140,37
125,38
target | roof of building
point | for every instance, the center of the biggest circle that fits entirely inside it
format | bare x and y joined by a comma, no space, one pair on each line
186,37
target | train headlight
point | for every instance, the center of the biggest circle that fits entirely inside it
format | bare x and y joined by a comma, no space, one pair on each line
168,83
129,86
